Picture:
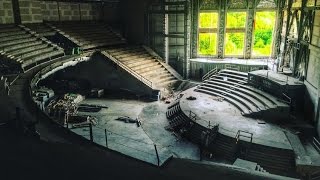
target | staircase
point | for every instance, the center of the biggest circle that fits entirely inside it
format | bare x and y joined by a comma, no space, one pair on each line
232,87
144,65
252,166
24,49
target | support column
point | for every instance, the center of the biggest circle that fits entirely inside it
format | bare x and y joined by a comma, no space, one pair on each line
222,28
16,11
250,28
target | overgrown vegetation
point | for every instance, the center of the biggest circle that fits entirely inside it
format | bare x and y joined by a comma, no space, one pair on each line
264,24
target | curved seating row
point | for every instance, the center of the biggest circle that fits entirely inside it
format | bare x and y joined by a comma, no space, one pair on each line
231,85
23,48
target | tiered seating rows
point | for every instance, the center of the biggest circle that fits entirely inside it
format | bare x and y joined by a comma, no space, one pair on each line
231,85
25,48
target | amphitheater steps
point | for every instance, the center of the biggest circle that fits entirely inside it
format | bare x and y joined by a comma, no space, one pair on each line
259,96
253,166
140,61
31,47
231,86
26,49
244,109
247,96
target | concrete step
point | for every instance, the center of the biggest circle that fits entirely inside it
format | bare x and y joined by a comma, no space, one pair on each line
136,59
248,97
12,38
12,33
218,76
21,45
25,50
35,53
262,93
29,63
145,66
241,100
8,30
138,62
165,79
16,42
167,83
238,77
242,108
253,94
155,72
131,55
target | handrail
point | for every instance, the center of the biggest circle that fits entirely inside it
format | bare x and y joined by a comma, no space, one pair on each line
210,73
239,135
288,99
138,76
192,116
316,144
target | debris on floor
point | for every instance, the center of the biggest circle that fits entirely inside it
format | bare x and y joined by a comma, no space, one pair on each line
191,98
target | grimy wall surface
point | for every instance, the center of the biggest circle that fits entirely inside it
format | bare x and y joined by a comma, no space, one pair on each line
35,11
6,12
313,72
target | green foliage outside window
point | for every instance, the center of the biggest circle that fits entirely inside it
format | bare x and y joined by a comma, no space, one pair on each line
264,24
208,39
234,44
208,20
236,20
207,43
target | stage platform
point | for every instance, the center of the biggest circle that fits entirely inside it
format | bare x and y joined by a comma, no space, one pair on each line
230,120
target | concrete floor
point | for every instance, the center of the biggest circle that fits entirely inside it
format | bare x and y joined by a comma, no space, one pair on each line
134,141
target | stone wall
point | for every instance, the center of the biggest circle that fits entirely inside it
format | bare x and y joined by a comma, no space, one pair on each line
6,13
30,11
313,72
68,11
50,11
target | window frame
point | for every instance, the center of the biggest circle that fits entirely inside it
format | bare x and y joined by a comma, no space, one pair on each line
216,31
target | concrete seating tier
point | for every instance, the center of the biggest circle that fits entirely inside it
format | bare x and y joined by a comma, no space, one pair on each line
24,48
139,62
88,35
41,29
177,119
231,86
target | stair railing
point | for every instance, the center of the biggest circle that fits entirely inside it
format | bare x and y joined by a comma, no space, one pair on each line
192,116
210,74
245,134
286,99
316,144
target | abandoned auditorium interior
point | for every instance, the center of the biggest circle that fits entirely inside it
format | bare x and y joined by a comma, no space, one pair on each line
159,89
